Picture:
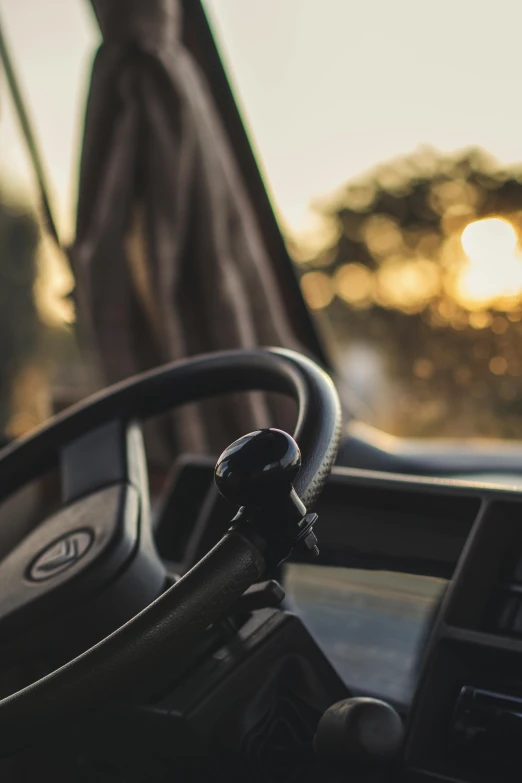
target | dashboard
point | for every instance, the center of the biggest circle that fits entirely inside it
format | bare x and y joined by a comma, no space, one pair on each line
463,722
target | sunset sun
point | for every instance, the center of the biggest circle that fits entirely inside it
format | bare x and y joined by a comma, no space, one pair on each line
493,268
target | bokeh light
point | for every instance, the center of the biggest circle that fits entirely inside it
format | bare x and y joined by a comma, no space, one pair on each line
317,289
407,285
493,268
354,284
52,287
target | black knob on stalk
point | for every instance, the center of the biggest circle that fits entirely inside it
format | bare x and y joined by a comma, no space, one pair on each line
256,472
259,468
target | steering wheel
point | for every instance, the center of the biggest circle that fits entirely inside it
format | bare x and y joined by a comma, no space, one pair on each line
95,557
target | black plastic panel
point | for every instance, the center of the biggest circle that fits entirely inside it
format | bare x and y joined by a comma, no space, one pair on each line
467,649
111,454
373,520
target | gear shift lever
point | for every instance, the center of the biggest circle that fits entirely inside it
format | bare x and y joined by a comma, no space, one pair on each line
359,737
256,472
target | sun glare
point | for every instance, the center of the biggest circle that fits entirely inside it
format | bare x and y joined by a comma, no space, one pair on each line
493,267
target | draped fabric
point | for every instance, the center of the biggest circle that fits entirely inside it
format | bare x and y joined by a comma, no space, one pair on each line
168,258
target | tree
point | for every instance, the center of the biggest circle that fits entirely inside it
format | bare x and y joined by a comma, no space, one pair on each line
422,268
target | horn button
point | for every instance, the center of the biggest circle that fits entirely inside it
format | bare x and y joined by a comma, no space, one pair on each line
60,555
64,579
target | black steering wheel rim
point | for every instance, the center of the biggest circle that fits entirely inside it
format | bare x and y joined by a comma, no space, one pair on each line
190,380
102,671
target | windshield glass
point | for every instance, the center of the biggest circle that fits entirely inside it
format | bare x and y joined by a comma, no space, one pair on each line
390,140
391,148
41,369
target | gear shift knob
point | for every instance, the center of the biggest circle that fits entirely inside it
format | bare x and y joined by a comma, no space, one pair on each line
259,468
358,736
256,472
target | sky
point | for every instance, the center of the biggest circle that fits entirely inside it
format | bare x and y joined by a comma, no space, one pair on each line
328,88
52,43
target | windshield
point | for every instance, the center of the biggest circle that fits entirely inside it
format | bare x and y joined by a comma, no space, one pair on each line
41,369
390,140
391,148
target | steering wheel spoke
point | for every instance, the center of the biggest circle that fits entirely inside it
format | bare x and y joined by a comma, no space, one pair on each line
110,454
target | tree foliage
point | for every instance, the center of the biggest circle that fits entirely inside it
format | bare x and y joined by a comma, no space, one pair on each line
393,277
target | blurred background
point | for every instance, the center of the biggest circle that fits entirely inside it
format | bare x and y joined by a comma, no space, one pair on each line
390,142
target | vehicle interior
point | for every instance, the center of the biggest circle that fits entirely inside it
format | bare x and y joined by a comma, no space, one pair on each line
215,563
